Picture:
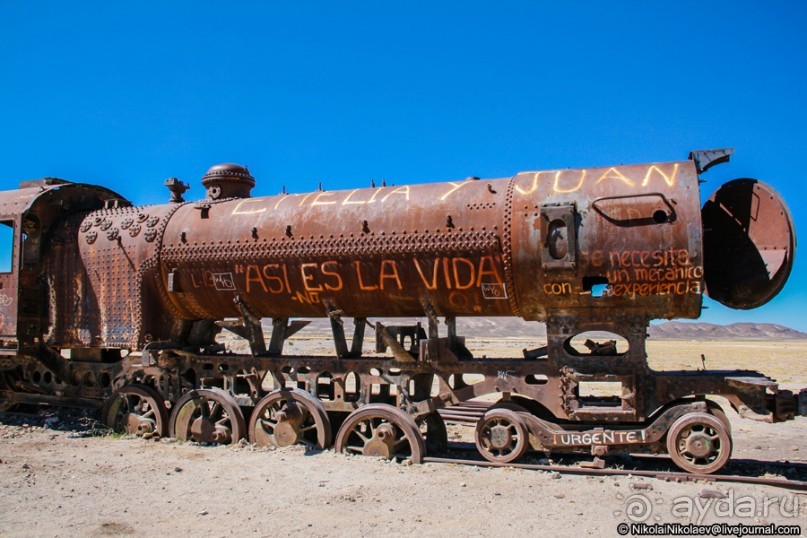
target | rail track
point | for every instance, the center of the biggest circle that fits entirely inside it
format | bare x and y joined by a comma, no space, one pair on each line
468,413
669,476
460,453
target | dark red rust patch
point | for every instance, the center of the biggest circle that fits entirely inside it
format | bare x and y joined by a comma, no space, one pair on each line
749,243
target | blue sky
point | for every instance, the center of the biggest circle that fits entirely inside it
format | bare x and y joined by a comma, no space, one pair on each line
126,94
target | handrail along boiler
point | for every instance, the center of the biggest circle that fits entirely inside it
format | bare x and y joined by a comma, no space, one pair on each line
583,250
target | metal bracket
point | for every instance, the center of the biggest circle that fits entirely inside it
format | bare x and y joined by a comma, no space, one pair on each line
358,336
338,329
282,330
707,158
398,351
431,315
559,237
253,328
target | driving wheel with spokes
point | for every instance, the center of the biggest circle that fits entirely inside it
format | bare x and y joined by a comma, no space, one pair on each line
137,410
207,416
699,443
288,417
382,431
501,436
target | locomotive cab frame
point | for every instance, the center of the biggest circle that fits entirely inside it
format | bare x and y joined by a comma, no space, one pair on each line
9,280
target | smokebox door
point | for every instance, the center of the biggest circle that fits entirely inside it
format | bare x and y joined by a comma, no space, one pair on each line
748,244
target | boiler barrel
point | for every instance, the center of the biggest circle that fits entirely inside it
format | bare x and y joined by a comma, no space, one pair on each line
623,237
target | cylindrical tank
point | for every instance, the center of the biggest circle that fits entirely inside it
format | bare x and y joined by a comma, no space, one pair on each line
627,238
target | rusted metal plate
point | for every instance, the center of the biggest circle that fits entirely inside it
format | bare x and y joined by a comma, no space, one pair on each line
9,277
51,291
749,243
525,245
633,241
118,252
33,211
13,204
387,250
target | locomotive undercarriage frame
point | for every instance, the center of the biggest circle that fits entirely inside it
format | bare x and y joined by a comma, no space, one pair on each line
543,388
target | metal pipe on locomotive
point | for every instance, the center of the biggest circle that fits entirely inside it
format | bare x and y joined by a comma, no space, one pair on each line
115,305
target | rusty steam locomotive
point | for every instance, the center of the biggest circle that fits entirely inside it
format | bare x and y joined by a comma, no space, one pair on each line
107,304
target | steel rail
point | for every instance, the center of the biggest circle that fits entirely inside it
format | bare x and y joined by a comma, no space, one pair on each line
795,485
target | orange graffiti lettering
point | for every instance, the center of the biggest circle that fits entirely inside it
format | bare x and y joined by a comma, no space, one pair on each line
484,272
253,275
389,270
275,283
429,285
557,288
333,273
362,285
455,263
308,278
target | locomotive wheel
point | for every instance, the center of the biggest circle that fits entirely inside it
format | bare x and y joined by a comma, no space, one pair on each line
288,417
383,431
137,410
501,436
433,429
699,443
207,416
716,410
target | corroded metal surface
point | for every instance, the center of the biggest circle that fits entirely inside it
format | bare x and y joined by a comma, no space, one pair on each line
588,251
750,242
381,431
591,239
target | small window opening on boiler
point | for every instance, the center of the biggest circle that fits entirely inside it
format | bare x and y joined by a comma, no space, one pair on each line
6,245
595,284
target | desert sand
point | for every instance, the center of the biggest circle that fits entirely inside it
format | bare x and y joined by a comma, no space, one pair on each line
61,477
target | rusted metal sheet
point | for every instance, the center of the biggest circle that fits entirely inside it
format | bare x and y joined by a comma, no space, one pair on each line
9,278
12,206
118,249
633,239
750,243
32,211
526,245
585,250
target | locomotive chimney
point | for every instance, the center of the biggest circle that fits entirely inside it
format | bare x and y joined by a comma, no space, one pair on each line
228,181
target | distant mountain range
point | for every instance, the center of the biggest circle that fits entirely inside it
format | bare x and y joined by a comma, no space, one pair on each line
518,328
680,330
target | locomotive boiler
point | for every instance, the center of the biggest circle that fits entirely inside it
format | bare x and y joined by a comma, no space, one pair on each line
118,306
